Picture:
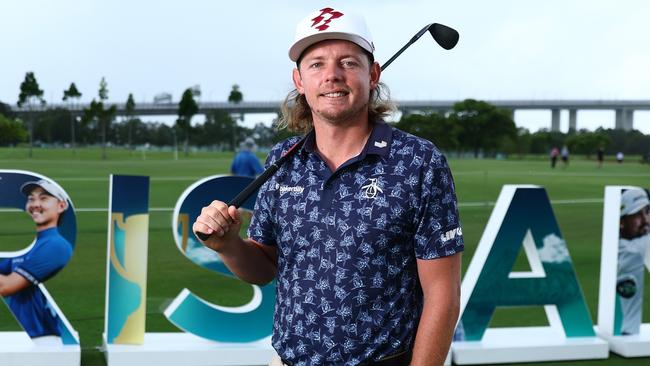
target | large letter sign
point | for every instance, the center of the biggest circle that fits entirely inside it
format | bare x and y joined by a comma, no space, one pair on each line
624,261
523,217
250,322
126,277
48,338
229,335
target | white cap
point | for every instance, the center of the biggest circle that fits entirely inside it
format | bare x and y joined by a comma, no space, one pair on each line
329,23
49,187
633,200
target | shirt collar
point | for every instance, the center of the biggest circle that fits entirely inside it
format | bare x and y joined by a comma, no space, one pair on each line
378,143
47,232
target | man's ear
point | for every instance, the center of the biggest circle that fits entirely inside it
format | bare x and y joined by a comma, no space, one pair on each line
375,73
297,81
61,206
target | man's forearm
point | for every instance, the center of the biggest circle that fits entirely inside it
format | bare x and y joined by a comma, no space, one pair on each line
249,261
434,335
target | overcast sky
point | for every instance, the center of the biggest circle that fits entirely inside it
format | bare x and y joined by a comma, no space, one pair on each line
552,49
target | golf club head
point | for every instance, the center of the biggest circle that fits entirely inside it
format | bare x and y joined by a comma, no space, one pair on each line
445,36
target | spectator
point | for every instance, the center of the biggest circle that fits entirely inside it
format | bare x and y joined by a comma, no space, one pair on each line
554,153
565,155
601,156
245,162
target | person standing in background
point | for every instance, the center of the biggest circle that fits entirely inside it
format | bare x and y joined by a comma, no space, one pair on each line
554,154
601,156
246,163
565,155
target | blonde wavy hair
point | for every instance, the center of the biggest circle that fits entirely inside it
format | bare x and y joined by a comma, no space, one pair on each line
296,113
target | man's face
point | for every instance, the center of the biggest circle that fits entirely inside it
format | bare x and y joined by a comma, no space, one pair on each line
635,225
336,78
43,208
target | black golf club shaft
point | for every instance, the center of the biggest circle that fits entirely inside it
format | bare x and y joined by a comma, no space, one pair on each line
446,37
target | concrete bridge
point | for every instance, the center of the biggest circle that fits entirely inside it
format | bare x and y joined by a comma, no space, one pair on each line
624,108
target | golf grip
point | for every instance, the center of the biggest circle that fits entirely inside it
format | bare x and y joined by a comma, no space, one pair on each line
257,183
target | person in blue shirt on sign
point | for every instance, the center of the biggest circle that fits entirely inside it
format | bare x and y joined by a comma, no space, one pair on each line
245,162
360,227
20,276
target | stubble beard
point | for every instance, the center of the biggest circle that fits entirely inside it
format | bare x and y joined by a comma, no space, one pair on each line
342,118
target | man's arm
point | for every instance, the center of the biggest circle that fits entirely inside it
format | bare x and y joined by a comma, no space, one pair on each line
250,261
12,283
440,281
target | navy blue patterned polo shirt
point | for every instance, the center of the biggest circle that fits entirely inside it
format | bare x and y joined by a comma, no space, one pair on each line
347,289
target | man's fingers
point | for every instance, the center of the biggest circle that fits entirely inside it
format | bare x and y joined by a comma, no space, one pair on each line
214,218
233,212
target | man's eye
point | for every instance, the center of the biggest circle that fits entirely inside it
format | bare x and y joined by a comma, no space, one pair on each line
315,65
348,63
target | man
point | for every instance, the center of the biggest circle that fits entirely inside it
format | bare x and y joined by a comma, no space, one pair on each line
360,226
20,276
634,242
245,162
600,153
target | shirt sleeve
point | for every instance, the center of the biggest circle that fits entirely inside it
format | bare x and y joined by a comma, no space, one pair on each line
5,266
439,232
45,261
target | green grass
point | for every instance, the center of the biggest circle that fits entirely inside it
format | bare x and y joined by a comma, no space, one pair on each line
79,288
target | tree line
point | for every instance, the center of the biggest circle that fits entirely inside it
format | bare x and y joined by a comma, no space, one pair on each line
481,129
472,127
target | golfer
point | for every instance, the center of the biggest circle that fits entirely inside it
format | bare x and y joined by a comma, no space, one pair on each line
360,227
633,245
20,276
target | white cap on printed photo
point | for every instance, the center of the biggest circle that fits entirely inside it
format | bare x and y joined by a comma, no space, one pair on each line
329,23
633,200
49,187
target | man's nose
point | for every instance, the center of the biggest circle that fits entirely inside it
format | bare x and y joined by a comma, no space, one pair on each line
333,72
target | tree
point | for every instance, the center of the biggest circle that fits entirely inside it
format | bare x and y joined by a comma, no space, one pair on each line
433,127
187,108
72,96
5,110
219,129
98,117
53,126
30,94
104,115
129,110
11,131
484,126
586,142
235,96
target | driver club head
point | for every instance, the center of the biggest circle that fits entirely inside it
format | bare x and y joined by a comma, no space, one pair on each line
445,36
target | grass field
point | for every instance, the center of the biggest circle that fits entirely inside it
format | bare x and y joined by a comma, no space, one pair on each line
576,193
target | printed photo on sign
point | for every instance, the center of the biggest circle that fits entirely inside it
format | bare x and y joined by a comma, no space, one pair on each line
633,259
23,273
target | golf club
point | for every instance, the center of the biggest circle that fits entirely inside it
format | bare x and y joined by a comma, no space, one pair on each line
445,36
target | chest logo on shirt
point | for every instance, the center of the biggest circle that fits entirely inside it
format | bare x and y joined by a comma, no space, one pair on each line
371,189
289,189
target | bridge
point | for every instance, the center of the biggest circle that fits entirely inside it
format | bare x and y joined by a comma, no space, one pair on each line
624,108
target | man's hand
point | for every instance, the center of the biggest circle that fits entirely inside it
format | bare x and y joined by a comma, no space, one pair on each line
219,221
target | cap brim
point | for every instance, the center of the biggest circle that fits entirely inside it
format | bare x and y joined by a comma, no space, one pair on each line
637,207
28,187
299,47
